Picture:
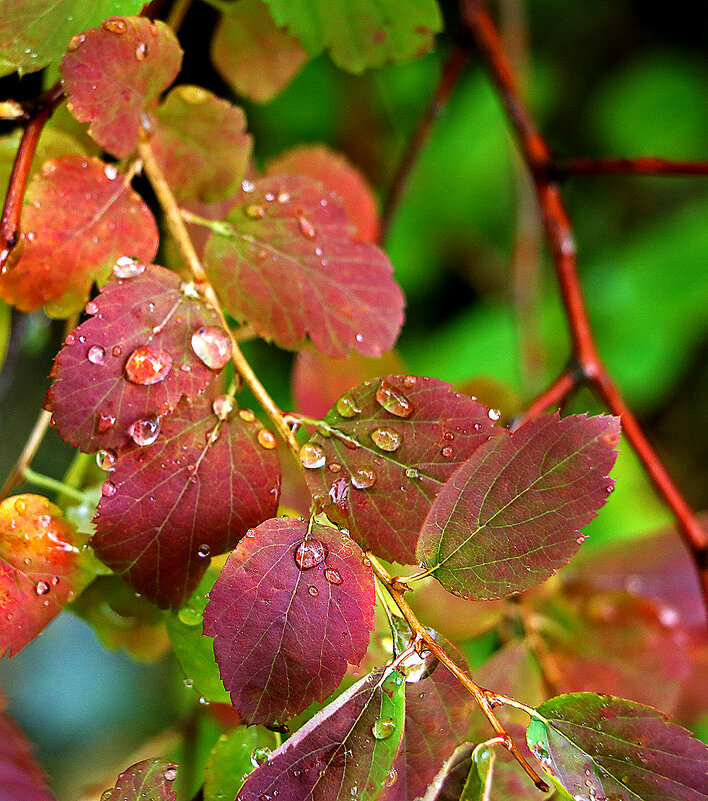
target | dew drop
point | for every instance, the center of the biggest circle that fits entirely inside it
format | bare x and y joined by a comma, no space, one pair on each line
170,774
203,551
411,472
106,460
335,467
494,414
386,438
310,553
96,354
283,197
266,439
314,592
393,400
212,345
75,42
391,778
333,576
247,415
247,186
141,51
114,25
117,350
42,588
104,422
307,229
91,308
447,451
108,489
126,267
145,432
363,478
347,406
312,456
260,756
383,728
222,407
147,365
190,616
110,172
107,795
254,211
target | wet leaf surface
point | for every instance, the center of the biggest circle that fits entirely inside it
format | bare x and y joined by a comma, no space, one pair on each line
150,780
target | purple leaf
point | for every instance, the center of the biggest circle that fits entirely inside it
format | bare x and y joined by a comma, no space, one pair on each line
21,777
150,780
288,612
510,515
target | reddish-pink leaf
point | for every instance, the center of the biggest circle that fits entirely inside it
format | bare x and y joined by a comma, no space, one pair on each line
21,777
150,780
114,74
201,144
289,611
510,515
339,291
392,444
319,381
168,507
38,568
252,54
132,360
80,216
338,175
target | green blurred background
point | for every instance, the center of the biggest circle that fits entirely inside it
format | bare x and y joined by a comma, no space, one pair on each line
612,77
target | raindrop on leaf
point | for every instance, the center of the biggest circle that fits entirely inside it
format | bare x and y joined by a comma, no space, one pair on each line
310,553
393,400
147,365
312,456
212,345
386,438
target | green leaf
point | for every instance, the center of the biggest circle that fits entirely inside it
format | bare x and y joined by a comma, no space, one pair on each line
235,755
361,33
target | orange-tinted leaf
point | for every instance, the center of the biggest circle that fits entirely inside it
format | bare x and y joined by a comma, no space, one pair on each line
80,216
252,54
201,144
21,776
338,175
38,568
168,507
285,261
114,74
131,361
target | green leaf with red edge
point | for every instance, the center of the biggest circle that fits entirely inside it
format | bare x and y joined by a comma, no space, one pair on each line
338,175
114,74
34,33
510,515
194,493
383,494
39,570
232,759
318,381
598,746
336,755
80,216
201,144
149,780
362,33
145,321
288,612
339,291
252,54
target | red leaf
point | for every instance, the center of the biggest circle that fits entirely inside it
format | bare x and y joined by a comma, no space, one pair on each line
114,74
21,777
383,490
509,517
38,568
288,612
338,175
252,54
167,507
150,780
201,144
107,374
79,216
339,291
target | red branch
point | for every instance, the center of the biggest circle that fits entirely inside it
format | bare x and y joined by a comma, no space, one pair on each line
649,165
586,365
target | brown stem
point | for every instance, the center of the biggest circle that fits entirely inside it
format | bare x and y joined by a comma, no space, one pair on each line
648,165
34,440
483,697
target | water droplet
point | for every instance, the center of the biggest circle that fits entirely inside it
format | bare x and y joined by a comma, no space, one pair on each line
310,553
260,756
96,354
447,451
189,616
75,42
335,467
266,439
333,576
314,592
117,350
127,267
363,478
386,438
307,229
107,795
141,51
247,186
411,472
114,25
42,588
393,400
91,308
347,406
106,460
212,345
108,489
145,432
383,728
610,488
170,774
222,407
494,414
247,415
110,172
391,778
104,422
254,211
312,456
203,551
147,365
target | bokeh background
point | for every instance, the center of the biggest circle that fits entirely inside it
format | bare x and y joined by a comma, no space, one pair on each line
612,77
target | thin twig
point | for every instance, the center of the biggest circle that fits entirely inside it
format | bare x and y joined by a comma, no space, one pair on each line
17,476
648,165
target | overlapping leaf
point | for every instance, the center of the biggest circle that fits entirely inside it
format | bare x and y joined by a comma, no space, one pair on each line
21,777
285,261
193,494
510,516
338,175
201,144
150,780
251,53
234,756
598,746
289,611
362,33
94,402
394,442
346,751
451,779
33,33
80,216
39,570
114,74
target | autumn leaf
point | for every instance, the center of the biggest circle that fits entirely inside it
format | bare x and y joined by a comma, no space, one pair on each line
150,780
80,215
291,608
338,291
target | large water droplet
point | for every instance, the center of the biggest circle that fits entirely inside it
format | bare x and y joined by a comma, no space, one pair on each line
126,267
314,592
266,439
114,25
170,774
212,345
104,422
147,365
145,432
310,553
91,308
222,407
363,478
393,400
96,354
333,576
347,406
203,551
260,756
190,616
386,438
494,414
383,728
106,460
312,456
108,489
41,588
